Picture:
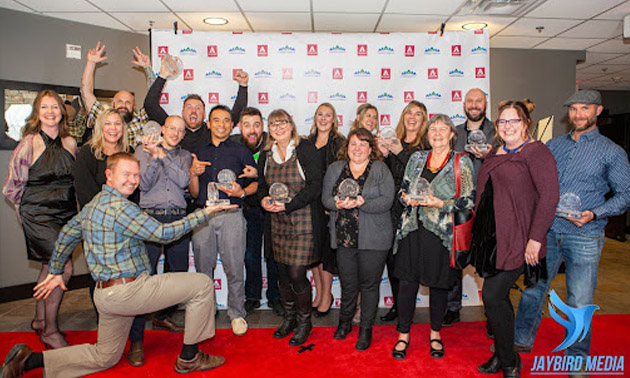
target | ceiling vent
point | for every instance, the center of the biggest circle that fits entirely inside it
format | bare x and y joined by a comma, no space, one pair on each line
514,8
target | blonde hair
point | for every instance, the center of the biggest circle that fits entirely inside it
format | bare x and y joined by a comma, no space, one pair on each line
277,115
361,111
401,131
97,142
335,122
33,123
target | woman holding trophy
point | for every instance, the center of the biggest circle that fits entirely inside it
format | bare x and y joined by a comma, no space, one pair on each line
424,237
289,188
359,191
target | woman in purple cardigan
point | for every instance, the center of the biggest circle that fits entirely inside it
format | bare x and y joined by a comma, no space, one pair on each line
516,202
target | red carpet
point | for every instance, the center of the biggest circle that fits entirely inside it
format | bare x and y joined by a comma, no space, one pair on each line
258,354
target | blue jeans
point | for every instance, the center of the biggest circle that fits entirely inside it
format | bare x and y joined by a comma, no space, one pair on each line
253,256
580,254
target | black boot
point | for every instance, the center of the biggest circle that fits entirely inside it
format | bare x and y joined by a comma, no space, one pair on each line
344,328
289,321
491,367
304,308
513,371
365,339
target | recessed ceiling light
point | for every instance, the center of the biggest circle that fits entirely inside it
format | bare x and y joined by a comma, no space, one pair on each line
474,26
215,21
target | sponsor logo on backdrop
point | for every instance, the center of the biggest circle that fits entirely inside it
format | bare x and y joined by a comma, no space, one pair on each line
264,282
213,74
337,49
309,121
456,96
337,302
433,95
287,97
457,119
480,72
408,96
386,73
389,301
311,50
432,51
385,96
213,98
408,74
236,50
362,50
189,74
432,73
340,122
262,74
312,97
162,50
362,73
386,120
337,73
479,50
456,73
213,52
163,98
263,97
286,49
478,31
337,97
312,73
235,71
287,74
263,50
386,50
188,51
233,98
456,50
187,31
362,97
410,50
217,284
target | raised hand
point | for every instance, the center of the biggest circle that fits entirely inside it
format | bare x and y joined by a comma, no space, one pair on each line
150,144
95,55
242,78
249,172
141,60
198,166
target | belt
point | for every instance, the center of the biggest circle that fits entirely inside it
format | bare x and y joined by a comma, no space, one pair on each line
165,211
117,281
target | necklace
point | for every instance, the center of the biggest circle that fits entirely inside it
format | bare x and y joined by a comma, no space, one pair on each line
513,150
433,170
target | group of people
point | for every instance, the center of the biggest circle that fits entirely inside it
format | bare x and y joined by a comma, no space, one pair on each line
139,195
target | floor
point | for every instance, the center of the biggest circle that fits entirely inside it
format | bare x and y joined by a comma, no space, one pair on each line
77,313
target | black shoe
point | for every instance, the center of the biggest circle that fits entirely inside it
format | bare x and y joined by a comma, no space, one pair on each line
392,314
436,353
250,305
365,339
276,307
514,371
321,314
343,330
491,367
450,318
303,317
489,331
400,354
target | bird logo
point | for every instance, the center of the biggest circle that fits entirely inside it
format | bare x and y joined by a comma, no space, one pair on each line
578,320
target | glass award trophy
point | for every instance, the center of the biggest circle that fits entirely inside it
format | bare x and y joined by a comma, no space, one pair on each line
348,188
419,190
174,66
477,139
213,195
388,133
278,192
152,128
226,177
569,206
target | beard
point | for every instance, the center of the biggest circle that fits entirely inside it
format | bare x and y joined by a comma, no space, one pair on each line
482,115
589,123
126,115
251,145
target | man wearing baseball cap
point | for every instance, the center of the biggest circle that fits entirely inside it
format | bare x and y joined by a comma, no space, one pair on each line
589,166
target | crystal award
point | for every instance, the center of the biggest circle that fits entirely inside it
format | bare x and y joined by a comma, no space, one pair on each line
213,196
419,190
152,128
278,192
348,188
476,138
388,133
174,66
569,206
226,177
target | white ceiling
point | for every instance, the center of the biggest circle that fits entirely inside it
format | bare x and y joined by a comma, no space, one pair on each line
591,25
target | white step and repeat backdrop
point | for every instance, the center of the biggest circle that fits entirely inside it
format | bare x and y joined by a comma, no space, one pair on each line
298,71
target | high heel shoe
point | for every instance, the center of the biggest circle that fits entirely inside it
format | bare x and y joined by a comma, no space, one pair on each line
400,354
320,314
436,353
37,330
51,343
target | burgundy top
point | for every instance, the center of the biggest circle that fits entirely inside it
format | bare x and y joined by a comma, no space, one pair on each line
526,194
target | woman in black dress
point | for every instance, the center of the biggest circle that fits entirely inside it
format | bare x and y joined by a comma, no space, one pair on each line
39,184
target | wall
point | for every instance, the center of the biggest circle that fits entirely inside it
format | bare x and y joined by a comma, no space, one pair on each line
617,102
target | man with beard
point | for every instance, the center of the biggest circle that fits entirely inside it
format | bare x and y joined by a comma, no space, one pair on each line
589,165
123,101
475,105
253,136
194,110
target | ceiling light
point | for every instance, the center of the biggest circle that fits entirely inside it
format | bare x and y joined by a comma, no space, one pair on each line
215,21
474,26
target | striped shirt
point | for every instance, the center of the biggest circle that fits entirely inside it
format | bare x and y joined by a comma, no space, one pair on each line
590,168
113,229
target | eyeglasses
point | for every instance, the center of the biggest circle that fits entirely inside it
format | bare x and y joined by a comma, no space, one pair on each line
175,129
279,124
512,122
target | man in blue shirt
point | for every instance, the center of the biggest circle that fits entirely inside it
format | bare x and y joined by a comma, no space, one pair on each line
225,233
589,165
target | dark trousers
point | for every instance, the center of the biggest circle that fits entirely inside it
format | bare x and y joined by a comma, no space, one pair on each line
175,260
293,276
393,281
360,270
407,292
500,313
455,294
253,256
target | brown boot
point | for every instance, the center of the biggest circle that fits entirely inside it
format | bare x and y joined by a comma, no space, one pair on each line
202,361
135,357
13,366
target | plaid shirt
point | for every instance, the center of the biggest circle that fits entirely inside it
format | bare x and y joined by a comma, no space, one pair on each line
113,229
134,128
77,126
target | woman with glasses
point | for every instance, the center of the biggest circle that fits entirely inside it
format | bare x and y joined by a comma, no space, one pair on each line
294,215
516,203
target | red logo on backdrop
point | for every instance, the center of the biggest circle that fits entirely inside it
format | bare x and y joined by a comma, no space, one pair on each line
410,50
480,72
386,73
311,50
456,50
456,96
337,302
262,50
432,73
312,97
478,31
235,71
362,97
362,50
212,51
213,98
340,119
385,120
187,31
431,115
162,50
389,301
164,98
217,284
408,96
263,97
287,74
189,74
312,281
264,282
337,73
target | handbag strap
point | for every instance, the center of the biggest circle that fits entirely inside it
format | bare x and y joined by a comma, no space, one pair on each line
458,175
